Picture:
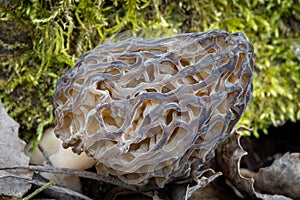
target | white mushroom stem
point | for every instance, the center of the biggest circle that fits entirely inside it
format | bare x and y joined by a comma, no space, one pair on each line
60,157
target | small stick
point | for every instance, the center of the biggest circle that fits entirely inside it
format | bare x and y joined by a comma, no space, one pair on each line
79,173
51,187
46,156
46,186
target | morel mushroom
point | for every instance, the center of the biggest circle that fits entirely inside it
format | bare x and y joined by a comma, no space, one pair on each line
153,110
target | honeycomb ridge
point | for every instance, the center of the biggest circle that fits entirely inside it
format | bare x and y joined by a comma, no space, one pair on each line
153,110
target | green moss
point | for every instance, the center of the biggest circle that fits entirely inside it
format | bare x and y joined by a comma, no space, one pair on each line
60,31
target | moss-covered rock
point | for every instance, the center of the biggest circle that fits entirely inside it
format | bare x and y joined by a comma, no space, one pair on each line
41,39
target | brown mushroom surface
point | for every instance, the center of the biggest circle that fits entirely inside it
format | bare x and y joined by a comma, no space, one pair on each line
153,110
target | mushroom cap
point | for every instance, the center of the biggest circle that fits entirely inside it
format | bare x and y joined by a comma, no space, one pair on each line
153,110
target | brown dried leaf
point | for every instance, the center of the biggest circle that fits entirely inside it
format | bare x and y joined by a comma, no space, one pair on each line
201,179
228,155
11,154
217,190
282,177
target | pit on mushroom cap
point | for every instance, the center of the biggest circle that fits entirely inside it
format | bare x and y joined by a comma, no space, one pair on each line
152,110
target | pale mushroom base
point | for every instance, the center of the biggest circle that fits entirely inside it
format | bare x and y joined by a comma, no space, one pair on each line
59,157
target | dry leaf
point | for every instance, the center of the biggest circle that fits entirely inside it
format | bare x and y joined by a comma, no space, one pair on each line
229,155
11,154
282,177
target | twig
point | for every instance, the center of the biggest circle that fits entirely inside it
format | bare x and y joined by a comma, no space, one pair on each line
46,186
46,156
53,187
79,173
